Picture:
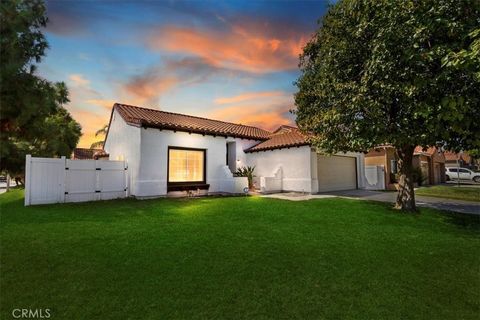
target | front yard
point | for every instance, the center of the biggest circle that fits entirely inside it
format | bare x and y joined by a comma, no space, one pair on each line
238,258
451,192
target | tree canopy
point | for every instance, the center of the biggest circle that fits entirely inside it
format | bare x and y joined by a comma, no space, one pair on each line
399,72
33,119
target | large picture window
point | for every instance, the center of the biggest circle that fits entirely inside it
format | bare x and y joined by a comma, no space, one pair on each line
186,165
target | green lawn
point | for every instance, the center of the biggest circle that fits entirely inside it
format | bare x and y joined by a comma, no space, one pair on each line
237,258
451,192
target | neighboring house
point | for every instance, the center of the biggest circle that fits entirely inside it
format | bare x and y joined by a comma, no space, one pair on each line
168,152
87,154
385,157
430,161
464,160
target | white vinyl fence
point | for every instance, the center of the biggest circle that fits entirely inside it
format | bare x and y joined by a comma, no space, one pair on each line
50,180
375,178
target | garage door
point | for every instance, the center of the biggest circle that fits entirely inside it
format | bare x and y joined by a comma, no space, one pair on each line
336,173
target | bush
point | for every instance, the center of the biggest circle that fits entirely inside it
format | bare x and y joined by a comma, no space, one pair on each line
393,177
418,176
246,172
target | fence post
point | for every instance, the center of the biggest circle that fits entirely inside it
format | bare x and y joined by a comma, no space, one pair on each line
97,196
126,178
64,180
28,160
8,182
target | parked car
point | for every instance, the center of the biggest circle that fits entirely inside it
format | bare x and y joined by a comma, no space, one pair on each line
462,174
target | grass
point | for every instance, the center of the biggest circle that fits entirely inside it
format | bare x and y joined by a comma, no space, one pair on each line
451,192
237,258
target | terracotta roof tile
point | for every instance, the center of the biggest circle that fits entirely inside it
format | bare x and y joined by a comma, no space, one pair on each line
430,150
283,137
85,154
174,121
452,156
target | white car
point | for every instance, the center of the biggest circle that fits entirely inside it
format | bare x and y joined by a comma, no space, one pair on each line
462,174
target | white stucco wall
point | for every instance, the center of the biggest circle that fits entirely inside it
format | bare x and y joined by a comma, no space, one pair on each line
123,143
241,145
152,178
146,152
294,163
313,169
298,168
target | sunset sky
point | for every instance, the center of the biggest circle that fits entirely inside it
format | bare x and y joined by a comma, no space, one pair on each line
234,61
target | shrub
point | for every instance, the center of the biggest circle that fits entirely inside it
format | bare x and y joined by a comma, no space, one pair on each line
393,177
418,176
246,172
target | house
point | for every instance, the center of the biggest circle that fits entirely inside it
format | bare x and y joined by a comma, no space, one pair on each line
87,154
171,152
431,162
464,160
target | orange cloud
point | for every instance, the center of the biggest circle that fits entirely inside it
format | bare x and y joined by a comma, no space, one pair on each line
266,110
79,80
90,123
88,108
248,96
254,115
239,48
107,104
145,89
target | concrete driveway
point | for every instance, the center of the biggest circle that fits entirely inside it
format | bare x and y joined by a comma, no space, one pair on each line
468,207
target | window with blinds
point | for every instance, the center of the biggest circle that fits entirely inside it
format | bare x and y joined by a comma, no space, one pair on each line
186,165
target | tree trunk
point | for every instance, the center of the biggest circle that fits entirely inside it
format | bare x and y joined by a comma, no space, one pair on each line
406,196
8,182
19,181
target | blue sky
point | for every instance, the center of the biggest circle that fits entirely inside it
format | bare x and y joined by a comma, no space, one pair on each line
228,60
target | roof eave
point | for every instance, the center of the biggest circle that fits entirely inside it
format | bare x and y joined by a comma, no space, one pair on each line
422,154
297,145
203,132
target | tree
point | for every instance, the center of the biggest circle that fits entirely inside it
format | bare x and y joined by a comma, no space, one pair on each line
378,72
100,132
468,58
475,154
33,119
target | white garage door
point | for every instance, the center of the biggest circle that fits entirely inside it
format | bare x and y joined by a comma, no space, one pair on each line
336,173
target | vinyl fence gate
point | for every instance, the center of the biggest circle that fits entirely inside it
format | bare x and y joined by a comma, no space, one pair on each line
375,177
49,180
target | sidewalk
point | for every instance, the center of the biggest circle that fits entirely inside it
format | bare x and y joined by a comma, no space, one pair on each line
467,207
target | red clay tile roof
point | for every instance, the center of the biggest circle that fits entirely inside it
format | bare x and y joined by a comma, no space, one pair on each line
283,137
430,150
85,154
452,156
100,154
144,117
